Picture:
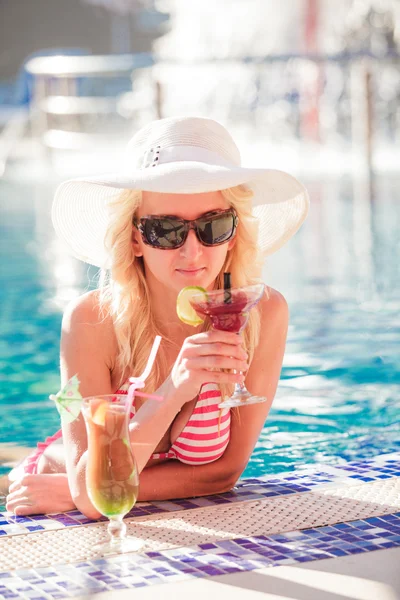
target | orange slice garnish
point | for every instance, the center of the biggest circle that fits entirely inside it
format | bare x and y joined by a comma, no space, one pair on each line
99,411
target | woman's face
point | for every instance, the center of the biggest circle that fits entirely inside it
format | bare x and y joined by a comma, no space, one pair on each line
192,263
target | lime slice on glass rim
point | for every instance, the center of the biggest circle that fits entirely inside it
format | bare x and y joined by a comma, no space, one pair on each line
185,310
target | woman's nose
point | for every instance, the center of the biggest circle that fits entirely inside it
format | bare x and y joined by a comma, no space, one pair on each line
192,247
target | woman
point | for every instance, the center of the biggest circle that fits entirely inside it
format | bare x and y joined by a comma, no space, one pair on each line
225,218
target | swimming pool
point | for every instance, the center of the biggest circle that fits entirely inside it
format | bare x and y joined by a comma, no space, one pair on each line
338,397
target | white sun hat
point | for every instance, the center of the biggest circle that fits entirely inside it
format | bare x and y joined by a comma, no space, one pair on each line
179,155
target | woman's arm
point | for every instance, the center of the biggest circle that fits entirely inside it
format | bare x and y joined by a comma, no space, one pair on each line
88,348
176,480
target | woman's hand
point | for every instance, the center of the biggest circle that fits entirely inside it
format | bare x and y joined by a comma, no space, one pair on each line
30,495
202,358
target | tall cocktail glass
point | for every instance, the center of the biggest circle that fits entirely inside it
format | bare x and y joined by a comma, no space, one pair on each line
112,479
228,310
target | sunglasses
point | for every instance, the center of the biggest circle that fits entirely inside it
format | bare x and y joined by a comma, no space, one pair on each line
169,232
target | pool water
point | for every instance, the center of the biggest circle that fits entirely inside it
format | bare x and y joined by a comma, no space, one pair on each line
338,397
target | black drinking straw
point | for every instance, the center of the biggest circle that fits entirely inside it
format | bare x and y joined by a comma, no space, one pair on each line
227,289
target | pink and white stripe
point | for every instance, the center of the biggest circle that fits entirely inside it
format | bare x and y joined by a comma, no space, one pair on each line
206,434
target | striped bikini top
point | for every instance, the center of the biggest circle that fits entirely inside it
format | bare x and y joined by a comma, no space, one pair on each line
206,434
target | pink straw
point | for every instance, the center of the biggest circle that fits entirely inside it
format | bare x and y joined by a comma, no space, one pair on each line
138,382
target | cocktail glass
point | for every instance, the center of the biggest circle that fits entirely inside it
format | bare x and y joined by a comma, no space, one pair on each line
228,310
112,479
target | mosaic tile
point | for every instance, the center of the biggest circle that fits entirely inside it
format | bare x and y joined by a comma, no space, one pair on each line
381,467
210,559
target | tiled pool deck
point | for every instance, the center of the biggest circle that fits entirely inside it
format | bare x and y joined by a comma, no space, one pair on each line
33,563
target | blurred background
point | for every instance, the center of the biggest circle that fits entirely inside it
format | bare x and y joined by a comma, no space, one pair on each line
308,86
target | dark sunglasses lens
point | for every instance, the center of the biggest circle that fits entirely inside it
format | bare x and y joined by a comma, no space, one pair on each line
216,230
164,232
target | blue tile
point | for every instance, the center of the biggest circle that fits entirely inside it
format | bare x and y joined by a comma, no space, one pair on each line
363,544
357,524
376,521
344,526
349,538
390,544
153,554
229,569
210,570
354,550
336,551
35,528
392,518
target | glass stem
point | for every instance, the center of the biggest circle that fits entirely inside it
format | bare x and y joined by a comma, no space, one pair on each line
116,529
240,392
238,386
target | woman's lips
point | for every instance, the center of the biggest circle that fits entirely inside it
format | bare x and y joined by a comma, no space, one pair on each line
191,271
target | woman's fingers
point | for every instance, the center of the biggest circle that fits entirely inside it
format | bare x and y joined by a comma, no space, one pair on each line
214,336
215,362
16,501
216,356
15,485
18,498
23,509
13,506
30,494
216,349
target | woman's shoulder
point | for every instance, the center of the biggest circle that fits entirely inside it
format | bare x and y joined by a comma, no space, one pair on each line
87,328
88,309
274,306
88,344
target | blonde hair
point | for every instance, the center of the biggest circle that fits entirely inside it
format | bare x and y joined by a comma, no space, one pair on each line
124,293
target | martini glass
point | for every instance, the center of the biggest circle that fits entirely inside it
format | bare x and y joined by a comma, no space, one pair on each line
228,310
112,479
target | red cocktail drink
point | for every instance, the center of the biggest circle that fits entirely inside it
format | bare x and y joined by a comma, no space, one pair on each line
230,316
228,310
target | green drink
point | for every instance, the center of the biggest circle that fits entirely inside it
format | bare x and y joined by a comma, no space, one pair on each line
112,479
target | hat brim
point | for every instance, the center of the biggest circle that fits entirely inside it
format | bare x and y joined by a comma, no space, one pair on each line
80,208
